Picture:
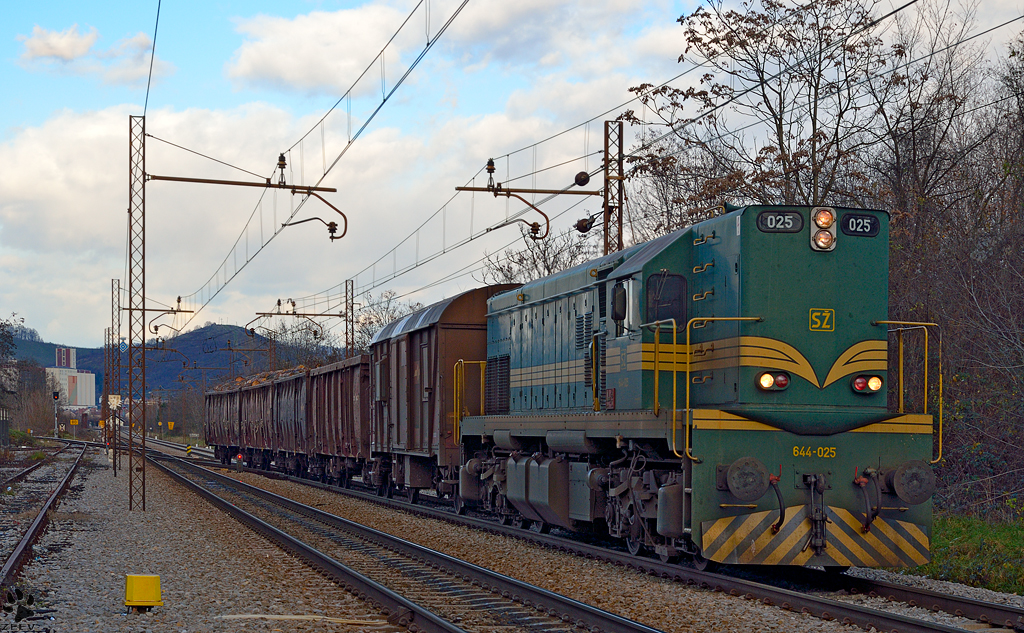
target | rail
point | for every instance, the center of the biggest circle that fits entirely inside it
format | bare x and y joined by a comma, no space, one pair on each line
459,388
908,326
822,607
543,600
25,545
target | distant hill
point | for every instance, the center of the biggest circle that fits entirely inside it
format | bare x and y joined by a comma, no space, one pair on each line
201,357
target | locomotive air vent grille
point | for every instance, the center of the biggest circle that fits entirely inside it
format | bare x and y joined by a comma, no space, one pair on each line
496,392
584,326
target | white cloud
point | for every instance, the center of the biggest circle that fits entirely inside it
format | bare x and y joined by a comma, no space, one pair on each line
316,52
125,63
63,46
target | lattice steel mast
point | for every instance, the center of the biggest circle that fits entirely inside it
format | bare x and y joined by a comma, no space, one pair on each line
137,312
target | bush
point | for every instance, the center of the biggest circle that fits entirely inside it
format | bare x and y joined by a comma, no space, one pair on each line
977,552
21,438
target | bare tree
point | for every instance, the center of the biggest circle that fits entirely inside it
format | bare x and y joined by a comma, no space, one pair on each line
539,258
377,313
790,73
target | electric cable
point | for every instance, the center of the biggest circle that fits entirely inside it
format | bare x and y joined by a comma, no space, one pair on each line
152,56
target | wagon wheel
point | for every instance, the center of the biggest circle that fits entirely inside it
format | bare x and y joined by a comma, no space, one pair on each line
343,479
541,527
459,504
521,522
412,495
505,519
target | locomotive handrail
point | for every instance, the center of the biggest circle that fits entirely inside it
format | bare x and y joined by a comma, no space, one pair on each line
459,386
689,359
923,326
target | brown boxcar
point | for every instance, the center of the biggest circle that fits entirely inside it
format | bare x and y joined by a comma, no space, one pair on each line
412,435
256,412
339,414
291,432
221,426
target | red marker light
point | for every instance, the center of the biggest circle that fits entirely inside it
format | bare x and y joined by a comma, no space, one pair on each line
781,381
860,383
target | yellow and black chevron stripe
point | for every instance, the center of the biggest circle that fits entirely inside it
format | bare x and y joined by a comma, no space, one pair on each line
748,540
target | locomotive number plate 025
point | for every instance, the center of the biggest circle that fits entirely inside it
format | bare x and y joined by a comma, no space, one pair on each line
860,225
825,452
780,222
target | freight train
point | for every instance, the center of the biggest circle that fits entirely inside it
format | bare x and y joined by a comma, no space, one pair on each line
719,392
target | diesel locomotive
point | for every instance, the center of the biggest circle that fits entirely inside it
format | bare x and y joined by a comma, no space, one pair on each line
718,392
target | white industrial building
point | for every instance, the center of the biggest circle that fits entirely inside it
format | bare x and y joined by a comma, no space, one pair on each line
77,386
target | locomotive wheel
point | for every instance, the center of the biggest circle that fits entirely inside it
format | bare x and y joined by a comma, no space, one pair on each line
412,495
521,522
704,564
458,504
668,559
635,536
505,519
634,545
389,491
541,527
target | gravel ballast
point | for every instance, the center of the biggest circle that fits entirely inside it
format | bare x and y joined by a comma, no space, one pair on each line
215,574
656,602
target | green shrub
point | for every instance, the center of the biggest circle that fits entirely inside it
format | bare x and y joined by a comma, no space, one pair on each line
21,438
976,552
37,455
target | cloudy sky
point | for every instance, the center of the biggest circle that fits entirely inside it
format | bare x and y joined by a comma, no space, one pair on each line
242,82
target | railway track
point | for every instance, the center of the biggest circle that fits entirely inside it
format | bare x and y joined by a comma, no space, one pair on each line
419,588
203,453
985,615
37,493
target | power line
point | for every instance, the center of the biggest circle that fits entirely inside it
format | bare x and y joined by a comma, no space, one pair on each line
152,56
374,283
387,95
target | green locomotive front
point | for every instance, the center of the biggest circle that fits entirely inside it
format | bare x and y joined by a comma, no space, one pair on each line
719,391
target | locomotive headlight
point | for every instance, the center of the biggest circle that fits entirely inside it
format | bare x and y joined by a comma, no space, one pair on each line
866,384
824,218
773,382
824,240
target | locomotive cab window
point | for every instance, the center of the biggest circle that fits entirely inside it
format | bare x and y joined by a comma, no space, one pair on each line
666,298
